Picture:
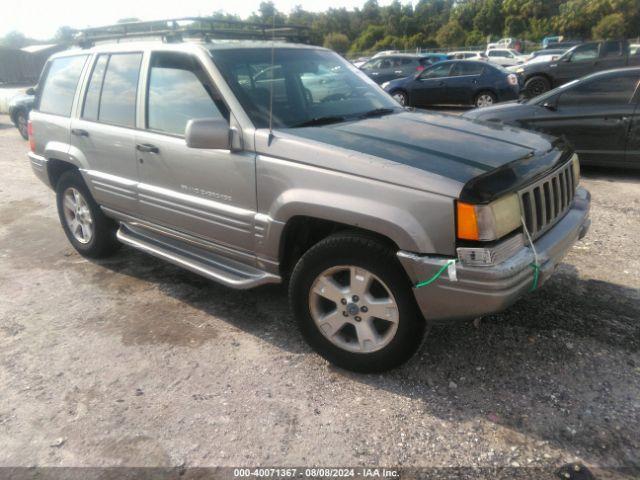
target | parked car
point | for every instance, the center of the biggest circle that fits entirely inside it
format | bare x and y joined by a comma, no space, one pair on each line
19,108
466,56
503,43
455,82
577,62
358,203
597,114
400,65
634,49
505,57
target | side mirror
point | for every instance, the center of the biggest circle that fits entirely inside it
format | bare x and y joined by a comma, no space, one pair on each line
31,91
550,106
210,133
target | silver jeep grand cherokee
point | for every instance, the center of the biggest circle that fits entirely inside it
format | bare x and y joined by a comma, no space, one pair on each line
253,163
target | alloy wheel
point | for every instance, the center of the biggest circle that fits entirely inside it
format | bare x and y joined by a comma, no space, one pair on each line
484,100
77,215
354,309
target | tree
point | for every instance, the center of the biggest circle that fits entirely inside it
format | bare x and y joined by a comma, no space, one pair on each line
451,35
338,42
366,40
611,26
14,39
64,34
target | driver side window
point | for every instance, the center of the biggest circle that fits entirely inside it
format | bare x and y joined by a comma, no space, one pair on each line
180,90
585,52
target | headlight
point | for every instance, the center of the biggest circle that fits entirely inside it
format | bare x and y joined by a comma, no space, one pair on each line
488,222
575,163
385,85
520,70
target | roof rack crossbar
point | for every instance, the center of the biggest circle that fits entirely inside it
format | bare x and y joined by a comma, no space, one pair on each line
209,28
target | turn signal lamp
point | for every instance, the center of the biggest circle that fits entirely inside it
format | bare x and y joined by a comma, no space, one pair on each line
488,222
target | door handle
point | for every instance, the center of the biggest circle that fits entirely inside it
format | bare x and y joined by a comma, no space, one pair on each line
147,148
397,71
79,132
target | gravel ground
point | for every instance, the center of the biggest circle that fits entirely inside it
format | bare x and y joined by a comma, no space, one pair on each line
132,361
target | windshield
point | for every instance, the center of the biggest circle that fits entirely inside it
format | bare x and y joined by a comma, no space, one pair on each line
309,86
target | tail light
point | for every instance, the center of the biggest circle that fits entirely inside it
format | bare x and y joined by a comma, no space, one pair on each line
32,141
512,78
419,68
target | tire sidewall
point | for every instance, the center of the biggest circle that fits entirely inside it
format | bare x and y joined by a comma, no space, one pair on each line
23,114
103,240
533,80
410,327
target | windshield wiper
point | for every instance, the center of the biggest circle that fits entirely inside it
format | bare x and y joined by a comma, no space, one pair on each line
320,121
377,112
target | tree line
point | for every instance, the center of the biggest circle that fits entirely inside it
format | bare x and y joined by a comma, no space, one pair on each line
431,24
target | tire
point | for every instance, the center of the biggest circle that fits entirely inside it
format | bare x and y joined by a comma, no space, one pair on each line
536,85
22,121
94,234
401,97
390,342
485,99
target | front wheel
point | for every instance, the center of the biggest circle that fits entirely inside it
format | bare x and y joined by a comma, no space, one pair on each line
354,304
485,99
537,85
88,229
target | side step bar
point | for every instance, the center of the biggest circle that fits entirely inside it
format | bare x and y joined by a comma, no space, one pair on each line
214,267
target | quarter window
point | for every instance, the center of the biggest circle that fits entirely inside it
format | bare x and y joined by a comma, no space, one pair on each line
60,85
180,90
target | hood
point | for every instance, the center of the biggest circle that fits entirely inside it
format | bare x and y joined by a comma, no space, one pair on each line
397,82
22,100
448,146
496,112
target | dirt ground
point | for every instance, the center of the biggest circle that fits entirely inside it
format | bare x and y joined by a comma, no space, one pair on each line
134,362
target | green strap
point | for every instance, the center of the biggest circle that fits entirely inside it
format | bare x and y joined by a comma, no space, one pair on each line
536,275
437,275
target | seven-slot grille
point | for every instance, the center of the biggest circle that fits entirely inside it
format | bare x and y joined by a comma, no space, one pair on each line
546,201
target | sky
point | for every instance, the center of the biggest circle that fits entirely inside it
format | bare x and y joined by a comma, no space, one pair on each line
40,19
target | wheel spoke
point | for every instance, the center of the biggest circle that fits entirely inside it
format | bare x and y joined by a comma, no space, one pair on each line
331,323
68,203
360,281
328,288
367,336
383,309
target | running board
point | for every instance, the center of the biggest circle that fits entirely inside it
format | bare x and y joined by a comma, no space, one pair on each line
210,265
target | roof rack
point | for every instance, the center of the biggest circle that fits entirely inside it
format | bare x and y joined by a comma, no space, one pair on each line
207,28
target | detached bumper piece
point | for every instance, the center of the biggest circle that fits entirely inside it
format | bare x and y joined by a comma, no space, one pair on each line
480,291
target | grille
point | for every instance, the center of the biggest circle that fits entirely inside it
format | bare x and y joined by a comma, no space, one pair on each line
546,201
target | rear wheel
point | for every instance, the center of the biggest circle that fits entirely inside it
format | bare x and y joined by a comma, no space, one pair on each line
354,305
22,124
88,229
537,85
485,99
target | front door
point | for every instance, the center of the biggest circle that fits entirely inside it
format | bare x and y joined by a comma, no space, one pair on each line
577,64
430,87
208,194
594,116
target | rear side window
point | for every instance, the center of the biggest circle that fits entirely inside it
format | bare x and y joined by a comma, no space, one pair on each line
602,91
611,49
180,90
60,85
467,68
119,90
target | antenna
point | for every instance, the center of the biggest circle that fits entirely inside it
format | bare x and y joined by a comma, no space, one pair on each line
273,51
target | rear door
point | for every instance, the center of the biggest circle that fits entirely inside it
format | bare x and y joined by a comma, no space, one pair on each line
594,116
430,87
207,194
104,131
464,82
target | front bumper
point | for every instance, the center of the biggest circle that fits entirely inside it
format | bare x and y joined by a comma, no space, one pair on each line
483,290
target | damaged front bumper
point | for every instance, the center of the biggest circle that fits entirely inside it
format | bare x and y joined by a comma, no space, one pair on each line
480,291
